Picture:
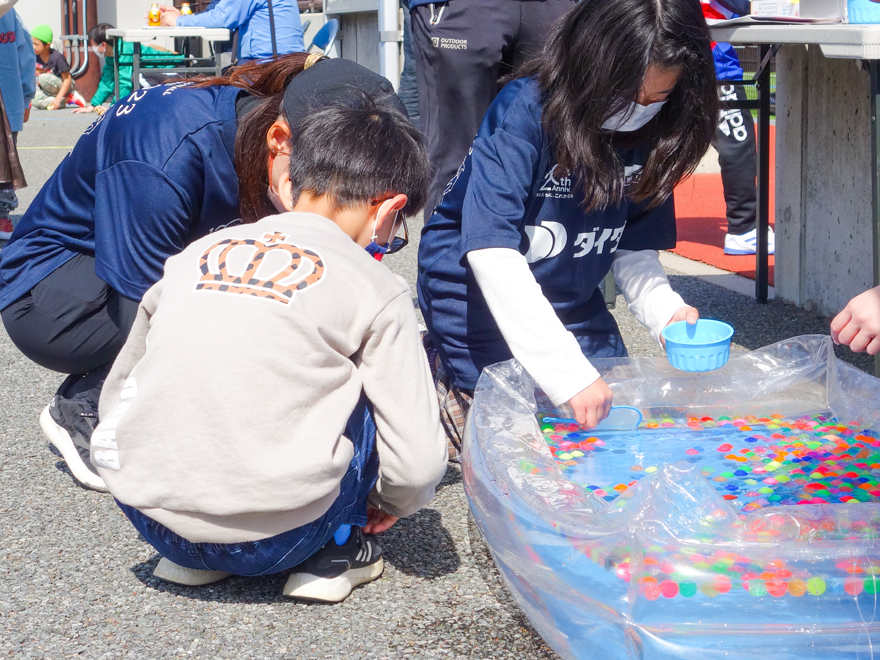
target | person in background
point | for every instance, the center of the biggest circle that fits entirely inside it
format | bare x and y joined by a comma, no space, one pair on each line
462,48
735,141
102,46
18,86
54,82
408,90
265,27
858,324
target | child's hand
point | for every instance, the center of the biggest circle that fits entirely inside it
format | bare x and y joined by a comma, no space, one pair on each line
686,313
592,404
85,108
378,521
858,325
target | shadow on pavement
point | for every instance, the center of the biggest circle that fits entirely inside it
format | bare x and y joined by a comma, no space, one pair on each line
418,545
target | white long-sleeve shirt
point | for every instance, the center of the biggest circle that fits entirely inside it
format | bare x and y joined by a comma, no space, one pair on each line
533,331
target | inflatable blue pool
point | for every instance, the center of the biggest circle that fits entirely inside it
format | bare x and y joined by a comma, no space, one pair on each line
740,520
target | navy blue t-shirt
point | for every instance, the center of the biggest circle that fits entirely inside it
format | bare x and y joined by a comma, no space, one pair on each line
507,194
152,174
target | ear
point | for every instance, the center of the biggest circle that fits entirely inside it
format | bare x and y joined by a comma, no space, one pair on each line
277,140
387,212
278,136
285,190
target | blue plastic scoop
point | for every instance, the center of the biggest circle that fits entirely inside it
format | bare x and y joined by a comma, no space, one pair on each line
621,418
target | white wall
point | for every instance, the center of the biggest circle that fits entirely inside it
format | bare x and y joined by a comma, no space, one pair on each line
823,180
38,12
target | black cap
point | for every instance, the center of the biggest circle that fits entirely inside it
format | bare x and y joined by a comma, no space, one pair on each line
334,81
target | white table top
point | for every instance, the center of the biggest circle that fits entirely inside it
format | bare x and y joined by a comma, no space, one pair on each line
149,33
842,40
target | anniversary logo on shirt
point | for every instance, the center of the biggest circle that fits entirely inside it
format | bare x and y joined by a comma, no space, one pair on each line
556,187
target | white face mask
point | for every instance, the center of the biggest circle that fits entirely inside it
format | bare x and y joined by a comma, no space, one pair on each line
275,198
99,54
633,117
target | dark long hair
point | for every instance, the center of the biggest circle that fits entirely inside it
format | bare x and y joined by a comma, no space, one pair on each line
593,65
265,80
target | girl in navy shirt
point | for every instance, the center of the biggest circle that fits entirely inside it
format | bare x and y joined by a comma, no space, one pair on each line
570,175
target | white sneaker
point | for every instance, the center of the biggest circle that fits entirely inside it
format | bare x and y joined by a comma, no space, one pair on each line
192,577
747,243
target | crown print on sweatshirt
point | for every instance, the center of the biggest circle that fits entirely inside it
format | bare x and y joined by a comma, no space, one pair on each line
269,268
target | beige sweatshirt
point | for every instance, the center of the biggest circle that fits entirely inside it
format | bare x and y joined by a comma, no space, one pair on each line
223,415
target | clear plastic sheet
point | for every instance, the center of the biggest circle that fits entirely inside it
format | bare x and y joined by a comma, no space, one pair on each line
669,568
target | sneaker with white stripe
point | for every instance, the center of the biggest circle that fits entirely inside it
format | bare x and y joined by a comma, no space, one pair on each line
330,574
741,244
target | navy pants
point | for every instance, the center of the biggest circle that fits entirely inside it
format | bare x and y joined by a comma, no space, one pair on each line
737,155
284,551
73,322
462,48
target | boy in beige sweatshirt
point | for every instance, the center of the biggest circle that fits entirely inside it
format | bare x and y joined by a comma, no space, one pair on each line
273,408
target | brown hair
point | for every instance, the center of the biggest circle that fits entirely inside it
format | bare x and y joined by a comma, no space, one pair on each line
266,80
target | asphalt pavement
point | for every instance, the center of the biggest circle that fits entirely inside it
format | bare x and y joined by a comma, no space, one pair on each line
76,579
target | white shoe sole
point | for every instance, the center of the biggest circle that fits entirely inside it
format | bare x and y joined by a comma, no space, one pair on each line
743,253
330,590
191,577
62,441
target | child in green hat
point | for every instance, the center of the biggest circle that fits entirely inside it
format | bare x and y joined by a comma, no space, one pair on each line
54,82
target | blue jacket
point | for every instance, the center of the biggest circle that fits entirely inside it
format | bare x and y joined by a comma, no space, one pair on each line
129,195
727,66
18,66
251,18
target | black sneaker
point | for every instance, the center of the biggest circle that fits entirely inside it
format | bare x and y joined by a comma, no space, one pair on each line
68,424
330,574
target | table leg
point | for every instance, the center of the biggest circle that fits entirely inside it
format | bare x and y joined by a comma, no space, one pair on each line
609,289
117,48
136,67
761,257
874,69
217,63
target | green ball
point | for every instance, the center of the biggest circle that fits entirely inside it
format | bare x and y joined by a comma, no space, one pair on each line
688,589
816,586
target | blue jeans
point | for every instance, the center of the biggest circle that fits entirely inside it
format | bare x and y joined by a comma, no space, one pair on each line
8,199
284,551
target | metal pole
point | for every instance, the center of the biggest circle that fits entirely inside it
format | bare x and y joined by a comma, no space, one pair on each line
136,67
272,29
85,43
117,47
761,257
389,41
874,69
